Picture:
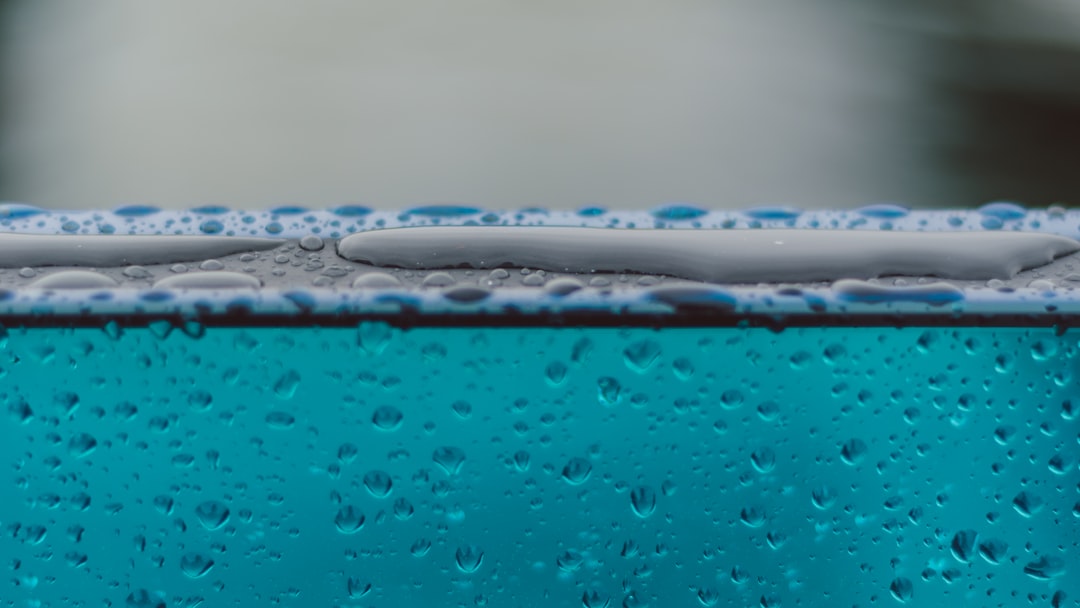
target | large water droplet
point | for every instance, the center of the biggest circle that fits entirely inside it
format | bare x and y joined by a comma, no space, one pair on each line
378,483
643,501
469,558
577,471
569,561
349,520
595,599
450,458
752,516
555,373
195,565
212,514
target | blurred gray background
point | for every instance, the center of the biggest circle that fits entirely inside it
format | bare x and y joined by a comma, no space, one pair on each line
619,103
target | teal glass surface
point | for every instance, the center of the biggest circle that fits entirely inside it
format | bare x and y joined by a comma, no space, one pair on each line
503,466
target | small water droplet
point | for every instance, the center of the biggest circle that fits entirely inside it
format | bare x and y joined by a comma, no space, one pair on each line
577,471
1045,568
902,589
555,373
373,336
357,588
195,565
1027,503
853,451
640,356
610,390
311,242
963,545
763,459
469,558
81,445
349,520
280,420
286,384
387,418
643,501
378,483
753,516
450,458
212,514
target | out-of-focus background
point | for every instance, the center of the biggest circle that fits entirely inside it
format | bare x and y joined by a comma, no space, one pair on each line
619,103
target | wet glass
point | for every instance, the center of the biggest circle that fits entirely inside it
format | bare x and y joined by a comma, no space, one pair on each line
273,411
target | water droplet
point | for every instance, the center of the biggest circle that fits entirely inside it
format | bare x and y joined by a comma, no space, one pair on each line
280,420
640,356
521,460
137,272
403,509
683,368
141,598
1027,503
212,514
466,294
75,279
902,589
993,550
595,599
610,390
678,212
378,483
462,408
286,384
1045,568
731,398
555,373
348,452
349,520
218,279
438,279
469,558
357,588
753,516
577,471
387,418
763,459
853,451
449,458
569,561
376,280
81,445
708,596
643,501
311,242
195,565
373,336
887,211
963,545
563,286
443,210
1003,210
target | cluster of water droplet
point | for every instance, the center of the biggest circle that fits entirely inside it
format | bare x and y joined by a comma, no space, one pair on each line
585,467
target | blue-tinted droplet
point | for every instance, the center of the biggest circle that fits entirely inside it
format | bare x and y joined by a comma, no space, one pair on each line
212,514
678,212
469,558
643,501
450,458
443,210
387,418
211,227
1003,210
195,565
136,210
577,471
349,520
378,483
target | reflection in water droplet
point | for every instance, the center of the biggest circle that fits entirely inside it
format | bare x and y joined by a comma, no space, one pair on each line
387,418
378,483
